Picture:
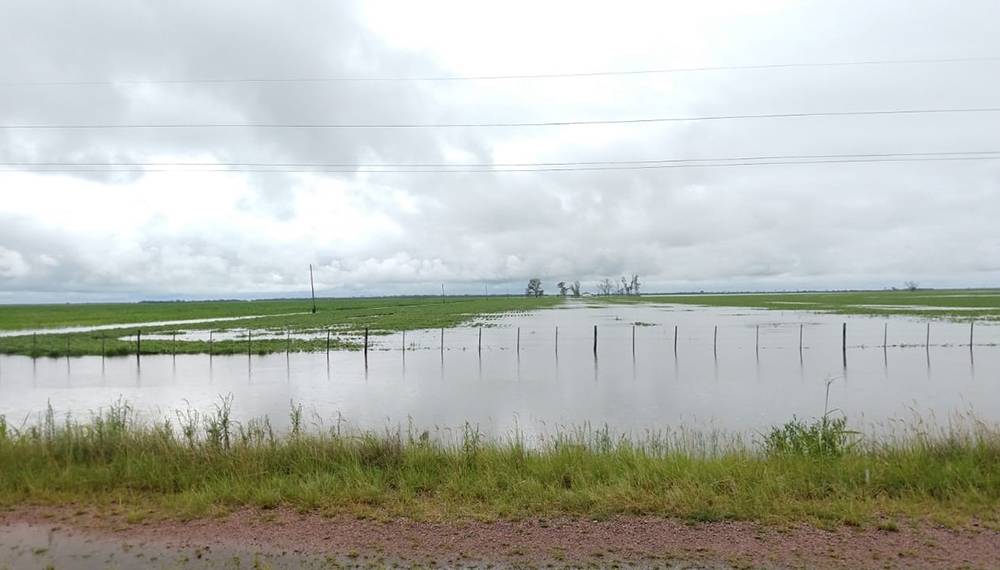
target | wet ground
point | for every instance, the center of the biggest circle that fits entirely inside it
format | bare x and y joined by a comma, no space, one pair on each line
62,538
736,370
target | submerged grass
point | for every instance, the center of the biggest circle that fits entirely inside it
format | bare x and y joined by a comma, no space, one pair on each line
345,317
194,465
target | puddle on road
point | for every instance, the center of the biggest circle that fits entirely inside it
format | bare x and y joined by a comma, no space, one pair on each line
45,546
738,372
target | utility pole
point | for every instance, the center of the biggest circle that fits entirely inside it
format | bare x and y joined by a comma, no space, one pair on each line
442,292
312,287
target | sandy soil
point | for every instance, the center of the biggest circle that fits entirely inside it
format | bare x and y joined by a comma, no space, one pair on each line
67,538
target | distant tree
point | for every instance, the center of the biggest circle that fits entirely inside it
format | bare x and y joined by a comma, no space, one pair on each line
605,287
534,288
911,285
626,288
563,288
635,283
575,288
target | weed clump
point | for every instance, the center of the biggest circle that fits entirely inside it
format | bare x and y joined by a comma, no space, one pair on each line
825,437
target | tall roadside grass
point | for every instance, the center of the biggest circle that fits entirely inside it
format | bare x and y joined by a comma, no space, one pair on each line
196,464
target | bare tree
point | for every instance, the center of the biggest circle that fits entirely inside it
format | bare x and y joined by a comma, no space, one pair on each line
911,285
534,288
575,288
605,287
635,283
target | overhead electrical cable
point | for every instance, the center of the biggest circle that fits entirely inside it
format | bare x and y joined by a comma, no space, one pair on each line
356,165
499,77
647,120
847,159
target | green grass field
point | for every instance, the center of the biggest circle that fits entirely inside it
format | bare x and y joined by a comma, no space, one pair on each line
199,466
954,303
346,316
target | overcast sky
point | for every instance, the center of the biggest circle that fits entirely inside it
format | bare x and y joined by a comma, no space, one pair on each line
184,234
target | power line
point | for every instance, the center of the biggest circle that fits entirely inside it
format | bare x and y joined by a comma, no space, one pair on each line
358,165
858,160
518,76
106,126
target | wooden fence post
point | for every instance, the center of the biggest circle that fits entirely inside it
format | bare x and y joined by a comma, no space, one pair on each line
843,344
595,340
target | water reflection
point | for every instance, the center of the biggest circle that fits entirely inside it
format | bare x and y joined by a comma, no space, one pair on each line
491,375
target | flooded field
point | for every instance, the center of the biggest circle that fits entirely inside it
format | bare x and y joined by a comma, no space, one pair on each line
737,370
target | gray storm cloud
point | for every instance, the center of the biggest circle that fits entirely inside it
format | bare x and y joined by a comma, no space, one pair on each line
129,235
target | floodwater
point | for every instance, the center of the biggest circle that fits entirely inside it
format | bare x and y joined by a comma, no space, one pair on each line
735,370
147,324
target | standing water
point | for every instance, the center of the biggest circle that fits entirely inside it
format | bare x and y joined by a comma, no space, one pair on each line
736,370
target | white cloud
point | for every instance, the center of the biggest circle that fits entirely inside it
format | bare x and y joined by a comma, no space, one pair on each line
212,234
12,264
